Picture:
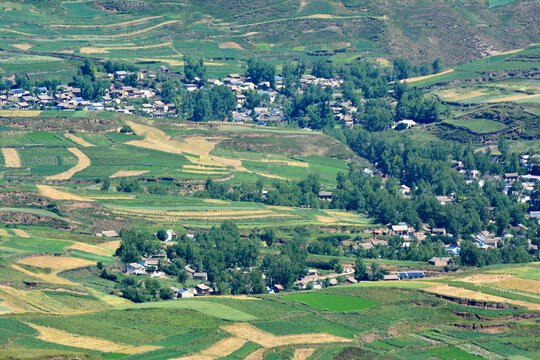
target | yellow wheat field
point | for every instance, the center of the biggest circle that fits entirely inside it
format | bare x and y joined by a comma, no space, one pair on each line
102,50
128,34
11,157
82,164
55,194
78,140
3,232
22,46
418,78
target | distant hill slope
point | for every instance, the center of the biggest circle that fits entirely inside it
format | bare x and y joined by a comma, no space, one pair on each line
229,31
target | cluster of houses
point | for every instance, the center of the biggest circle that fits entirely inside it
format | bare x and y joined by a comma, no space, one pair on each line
123,98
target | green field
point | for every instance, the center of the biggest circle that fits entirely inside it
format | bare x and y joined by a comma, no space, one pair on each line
479,126
332,302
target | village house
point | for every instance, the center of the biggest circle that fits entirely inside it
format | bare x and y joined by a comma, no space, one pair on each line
325,195
402,229
438,261
135,269
202,290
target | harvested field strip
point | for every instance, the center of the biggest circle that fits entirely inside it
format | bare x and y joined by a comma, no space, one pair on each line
268,340
91,249
513,98
100,50
314,16
453,291
16,32
133,33
3,232
283,162
21,233
200,167
87,342
526,285
20,113
220,349
256,355
123,173
56,263
204,172
418,78
120,24
50,278
22,46
83,163
11,158
78,140
34,301
110,245
55,194
486,278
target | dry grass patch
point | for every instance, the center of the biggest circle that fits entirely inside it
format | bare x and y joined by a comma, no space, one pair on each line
204,172
87,342
268,340
123,173
11,157
120,24
56,263
83,163
22,46
215,201
3,232
20,113
91,249
78,140
256,355
21,233
55,194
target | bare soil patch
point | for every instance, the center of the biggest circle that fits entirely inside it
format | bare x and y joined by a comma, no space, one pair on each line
302,354
21,233
487,278
56,263
230,45
90,249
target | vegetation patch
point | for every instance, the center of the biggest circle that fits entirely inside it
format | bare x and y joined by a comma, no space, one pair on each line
329,302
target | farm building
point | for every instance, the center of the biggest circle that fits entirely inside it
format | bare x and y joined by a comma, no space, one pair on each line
411,275
325,195
185,293
391,277
203,289
453,249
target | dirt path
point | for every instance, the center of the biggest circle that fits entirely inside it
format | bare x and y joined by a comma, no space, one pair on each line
61,337
83,163
11,157
121,35
78,140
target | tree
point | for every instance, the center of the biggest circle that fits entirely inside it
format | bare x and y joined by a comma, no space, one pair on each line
259,71
360,270
437,66
106,185
162,235
323,69
201,110
88,68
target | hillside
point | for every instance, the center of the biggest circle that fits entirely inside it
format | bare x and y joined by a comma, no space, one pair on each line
54,32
